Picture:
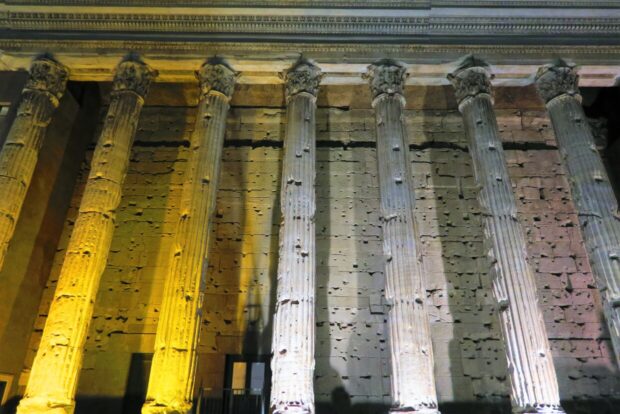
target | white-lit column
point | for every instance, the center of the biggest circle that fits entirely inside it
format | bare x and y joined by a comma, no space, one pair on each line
292,362
20,152
171,381
56,368
411,350
533,382
592,192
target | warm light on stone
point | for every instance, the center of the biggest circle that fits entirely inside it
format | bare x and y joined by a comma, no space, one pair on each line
20,152
54,376
171,382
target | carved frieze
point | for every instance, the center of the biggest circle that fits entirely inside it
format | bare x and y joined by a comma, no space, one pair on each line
401,4
322,23
559,78
217,76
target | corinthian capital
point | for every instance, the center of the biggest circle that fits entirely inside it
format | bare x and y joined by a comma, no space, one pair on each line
386,77
133,75
47,75
304,76
557,79
471,78
217,76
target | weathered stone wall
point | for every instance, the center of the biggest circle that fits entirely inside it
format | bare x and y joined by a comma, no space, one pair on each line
351,349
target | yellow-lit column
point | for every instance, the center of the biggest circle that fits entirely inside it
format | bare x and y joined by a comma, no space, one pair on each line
292,362
171,381
54,375
20,152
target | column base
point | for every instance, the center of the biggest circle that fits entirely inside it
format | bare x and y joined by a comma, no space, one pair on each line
539,409
155,407
45,405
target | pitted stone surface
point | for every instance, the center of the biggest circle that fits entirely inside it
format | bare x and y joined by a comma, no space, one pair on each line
351,349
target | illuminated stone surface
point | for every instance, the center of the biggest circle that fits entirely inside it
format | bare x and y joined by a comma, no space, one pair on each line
54,376
592,192
533,382
20,152
171,381
292,363
352,349
411,350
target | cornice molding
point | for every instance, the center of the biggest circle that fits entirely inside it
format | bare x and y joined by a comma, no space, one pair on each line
400,4
470,25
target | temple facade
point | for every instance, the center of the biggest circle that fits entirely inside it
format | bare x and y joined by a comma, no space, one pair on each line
300,207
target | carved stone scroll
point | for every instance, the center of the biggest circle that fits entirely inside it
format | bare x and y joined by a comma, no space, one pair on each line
172,375
20,152
534,387
411,350
292,363
54,375
592,192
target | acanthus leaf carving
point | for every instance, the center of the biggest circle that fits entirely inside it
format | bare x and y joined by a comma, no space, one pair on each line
304,76
217,76
386,77
557,79
47,75
470,79
133,75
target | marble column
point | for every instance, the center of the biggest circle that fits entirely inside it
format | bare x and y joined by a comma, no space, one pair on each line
411,350
292,362
171,382
20,152
534,387
55,372
593,195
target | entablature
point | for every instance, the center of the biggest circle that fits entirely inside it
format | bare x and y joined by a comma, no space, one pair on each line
429,22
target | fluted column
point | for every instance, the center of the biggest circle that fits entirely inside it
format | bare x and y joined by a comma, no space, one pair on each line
20,152
54,375
292,363
533,382
592,192
171,381
411,350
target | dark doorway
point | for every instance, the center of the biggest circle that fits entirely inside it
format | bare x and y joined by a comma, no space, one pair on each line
247,385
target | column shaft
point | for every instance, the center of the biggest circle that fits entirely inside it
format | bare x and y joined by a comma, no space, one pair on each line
294,327
534,386
591,189
20,152
171,381
55,372
411,351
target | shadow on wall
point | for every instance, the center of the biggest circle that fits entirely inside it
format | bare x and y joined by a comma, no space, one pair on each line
470,365
350,340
